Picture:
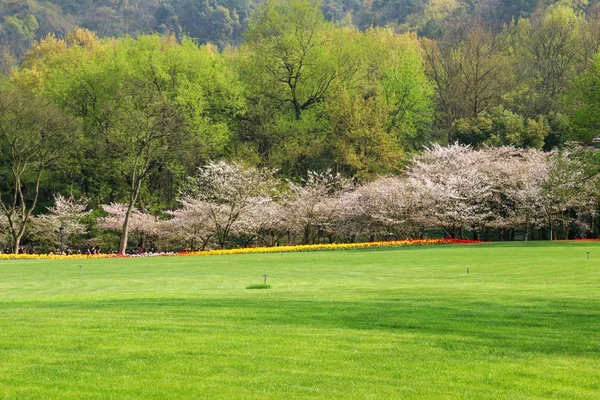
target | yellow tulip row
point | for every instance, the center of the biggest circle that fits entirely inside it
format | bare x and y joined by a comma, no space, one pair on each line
333,246
250,250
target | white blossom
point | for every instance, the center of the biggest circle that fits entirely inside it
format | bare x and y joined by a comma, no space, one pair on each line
67,213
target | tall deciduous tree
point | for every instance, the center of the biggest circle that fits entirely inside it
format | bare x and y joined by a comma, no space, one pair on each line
143,102
469,73
292,53
547,48
400,73
33,134
290,63
361,144
585,99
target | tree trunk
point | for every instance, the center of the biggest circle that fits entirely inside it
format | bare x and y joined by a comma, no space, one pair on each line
306,236
16,244
221,238
125,230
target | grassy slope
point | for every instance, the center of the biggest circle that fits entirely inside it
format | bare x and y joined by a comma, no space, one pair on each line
404,323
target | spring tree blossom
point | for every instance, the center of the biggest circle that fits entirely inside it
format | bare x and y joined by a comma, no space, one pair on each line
67,212
316,203
229,193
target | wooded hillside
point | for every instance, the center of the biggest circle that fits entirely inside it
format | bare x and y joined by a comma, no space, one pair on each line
223,22
130,118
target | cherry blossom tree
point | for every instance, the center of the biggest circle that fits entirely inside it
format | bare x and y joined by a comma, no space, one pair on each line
5,238
500,188
229,192
461,192
269,222
519,195
395,206
316,203
190,225
570,193
140,223
68,213
353,219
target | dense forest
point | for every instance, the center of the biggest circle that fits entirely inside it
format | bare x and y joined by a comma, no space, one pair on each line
125,102
224,22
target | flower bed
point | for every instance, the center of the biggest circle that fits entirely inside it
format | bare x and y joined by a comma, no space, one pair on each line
334,246
250,250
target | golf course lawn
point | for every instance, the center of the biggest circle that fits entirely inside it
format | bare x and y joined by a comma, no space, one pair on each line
406,323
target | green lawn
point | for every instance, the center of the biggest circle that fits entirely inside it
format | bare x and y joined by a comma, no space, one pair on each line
401,323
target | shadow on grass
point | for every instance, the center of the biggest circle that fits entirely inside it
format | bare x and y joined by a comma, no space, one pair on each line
568,327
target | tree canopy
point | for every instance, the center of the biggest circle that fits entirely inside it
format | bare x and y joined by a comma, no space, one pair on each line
125,112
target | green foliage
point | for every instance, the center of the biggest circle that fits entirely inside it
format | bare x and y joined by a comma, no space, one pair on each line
291,55
585,97
547,49
501,127
128,91
402,82
32,134
362,145
323,97
305,86
561,130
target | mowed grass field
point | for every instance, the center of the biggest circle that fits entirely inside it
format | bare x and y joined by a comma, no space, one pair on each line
405,323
